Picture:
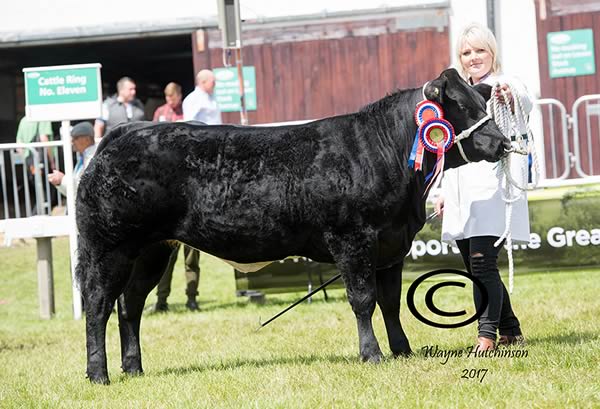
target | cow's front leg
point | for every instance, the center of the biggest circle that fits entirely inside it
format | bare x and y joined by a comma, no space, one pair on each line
389,285
354,254
147,271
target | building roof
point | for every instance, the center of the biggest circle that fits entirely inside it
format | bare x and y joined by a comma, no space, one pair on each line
36,22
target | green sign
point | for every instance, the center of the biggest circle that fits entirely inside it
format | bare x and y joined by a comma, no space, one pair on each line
571,53
227,89
63,92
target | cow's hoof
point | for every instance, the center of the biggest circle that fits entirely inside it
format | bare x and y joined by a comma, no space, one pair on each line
403,354
137,372
402,350
374,358
99,380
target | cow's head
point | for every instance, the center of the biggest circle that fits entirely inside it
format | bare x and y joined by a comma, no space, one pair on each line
464,106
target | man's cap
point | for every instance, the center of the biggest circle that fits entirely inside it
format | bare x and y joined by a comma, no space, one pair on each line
82,129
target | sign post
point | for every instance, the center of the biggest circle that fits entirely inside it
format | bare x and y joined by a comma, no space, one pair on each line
64,93
230,23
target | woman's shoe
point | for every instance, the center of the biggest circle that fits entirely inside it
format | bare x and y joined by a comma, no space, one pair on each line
484,344
509,340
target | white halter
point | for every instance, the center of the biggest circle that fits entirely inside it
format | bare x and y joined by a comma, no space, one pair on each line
467,132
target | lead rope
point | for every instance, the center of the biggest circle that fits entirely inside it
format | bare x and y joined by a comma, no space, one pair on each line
509,122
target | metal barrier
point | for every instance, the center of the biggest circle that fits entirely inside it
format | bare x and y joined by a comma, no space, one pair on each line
28,200
558,164
25,189
592,131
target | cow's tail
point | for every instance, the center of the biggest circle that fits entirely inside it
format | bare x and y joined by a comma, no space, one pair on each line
83,263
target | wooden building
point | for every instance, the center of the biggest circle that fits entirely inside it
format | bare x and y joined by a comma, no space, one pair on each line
308,69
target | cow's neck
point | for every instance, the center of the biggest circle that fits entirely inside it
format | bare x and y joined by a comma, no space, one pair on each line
400,109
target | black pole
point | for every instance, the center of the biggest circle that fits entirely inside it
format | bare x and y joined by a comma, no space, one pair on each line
313,292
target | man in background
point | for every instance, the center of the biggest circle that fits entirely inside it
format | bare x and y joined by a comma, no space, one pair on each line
82,139
172,111
29,132
120,108
200,104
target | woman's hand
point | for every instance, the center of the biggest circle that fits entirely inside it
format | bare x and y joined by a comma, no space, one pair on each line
439,206
504,88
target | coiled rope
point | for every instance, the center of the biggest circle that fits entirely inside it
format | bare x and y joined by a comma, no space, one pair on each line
510,122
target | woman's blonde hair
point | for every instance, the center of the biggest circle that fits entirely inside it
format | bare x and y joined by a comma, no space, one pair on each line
480,37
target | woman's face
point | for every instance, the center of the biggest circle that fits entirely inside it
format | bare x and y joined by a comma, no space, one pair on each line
477,62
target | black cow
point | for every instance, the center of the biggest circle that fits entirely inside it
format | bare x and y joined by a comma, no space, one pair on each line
336,190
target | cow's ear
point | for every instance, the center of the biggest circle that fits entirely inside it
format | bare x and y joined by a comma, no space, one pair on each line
484,90
434,90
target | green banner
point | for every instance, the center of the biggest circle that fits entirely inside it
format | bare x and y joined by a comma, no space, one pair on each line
227,89
565,234
571,53
61,86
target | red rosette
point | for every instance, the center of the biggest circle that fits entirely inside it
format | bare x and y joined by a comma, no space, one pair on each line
434,131
427,110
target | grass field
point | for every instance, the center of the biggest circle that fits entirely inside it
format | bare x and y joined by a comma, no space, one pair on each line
308,358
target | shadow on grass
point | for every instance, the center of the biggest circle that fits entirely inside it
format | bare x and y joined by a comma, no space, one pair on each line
214,305
571,338
259,363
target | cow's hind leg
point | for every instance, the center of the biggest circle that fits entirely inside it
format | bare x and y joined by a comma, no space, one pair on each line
103,278
147,271
354,254
389,285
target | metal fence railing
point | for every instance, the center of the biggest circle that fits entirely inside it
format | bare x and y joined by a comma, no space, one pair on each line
25,190
586,135
555,138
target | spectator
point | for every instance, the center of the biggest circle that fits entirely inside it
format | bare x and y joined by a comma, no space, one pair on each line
30,131
82,138
200,104
172,111
120,108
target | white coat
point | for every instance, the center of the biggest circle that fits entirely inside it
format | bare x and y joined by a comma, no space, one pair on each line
473,199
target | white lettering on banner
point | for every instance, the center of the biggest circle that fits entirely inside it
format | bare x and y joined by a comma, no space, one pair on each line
76,79
46,92
595,239
51,81
70,90
534,241
433,248
556,237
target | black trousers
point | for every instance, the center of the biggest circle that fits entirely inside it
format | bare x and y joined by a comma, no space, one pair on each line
481,259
